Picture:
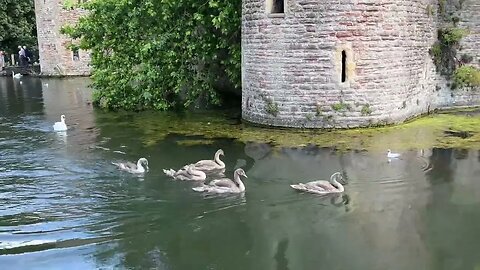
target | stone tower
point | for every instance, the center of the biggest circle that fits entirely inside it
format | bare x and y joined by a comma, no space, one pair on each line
55,57
330,63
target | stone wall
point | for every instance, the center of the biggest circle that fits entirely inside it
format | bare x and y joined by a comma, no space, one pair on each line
469,16
55,57
292,62
467,11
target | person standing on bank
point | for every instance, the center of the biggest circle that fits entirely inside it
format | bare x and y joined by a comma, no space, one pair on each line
21,56
2,60
28,55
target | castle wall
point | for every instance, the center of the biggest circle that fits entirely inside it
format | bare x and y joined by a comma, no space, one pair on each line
55,57
292,62
469,16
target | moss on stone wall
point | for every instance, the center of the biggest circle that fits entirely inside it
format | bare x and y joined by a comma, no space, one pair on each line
426,132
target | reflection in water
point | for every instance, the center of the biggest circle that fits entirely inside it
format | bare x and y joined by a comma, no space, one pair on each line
62,204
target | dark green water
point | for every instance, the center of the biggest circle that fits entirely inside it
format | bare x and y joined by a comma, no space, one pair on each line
64,206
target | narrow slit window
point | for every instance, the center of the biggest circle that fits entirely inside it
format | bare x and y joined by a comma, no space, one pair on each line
278,6
344,66
76,55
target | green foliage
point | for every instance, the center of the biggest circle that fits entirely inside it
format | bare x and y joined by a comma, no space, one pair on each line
272,107
436,52
69,4
318,110
429,10
366,110
452,36
444,51
465,58
149,54
442,6
17,25
340,107
466,76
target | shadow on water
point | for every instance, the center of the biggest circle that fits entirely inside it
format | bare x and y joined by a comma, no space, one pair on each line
62,203
452,209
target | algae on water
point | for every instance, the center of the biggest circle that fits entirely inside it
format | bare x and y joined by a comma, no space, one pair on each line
427,132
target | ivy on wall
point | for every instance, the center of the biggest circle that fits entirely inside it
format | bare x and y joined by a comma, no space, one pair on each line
445,50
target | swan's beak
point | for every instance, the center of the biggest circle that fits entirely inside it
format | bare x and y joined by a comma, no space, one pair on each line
245,175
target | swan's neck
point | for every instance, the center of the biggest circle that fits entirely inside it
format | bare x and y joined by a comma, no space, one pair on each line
62,120
338,185
239,182
218,161
140,167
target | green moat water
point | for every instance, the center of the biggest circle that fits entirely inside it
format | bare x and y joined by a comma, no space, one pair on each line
64,206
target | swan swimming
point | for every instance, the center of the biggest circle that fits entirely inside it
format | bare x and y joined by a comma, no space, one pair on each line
16,76
60,126
187,173
322,187
211,166
392,155
225,185
132,167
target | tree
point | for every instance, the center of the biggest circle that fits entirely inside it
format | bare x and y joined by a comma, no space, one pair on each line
17,25
150,54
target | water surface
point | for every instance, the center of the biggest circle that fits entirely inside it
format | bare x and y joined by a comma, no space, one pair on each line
64,206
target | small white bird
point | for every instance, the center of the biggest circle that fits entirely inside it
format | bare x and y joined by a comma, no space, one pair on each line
392,155
16,76
60,126
132,167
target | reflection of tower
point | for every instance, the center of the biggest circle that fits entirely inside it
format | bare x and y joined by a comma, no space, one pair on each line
451,217
20,97
55,57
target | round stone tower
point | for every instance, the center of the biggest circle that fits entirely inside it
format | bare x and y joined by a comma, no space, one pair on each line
330,63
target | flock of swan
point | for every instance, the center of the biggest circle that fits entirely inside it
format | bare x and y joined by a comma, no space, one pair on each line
215,168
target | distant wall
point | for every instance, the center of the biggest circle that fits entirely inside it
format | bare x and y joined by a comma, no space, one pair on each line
55,58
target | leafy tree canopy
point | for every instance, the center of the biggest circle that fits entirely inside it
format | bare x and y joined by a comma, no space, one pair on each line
160,54
17,25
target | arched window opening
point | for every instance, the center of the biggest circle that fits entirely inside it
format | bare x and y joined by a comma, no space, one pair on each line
344,66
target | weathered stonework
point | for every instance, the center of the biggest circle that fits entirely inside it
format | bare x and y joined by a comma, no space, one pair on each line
469,16
55,57
292,62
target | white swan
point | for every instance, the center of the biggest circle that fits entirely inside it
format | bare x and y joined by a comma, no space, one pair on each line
211,166
187,173
392,155
132,167
322,187
60,126
225,185
16,76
